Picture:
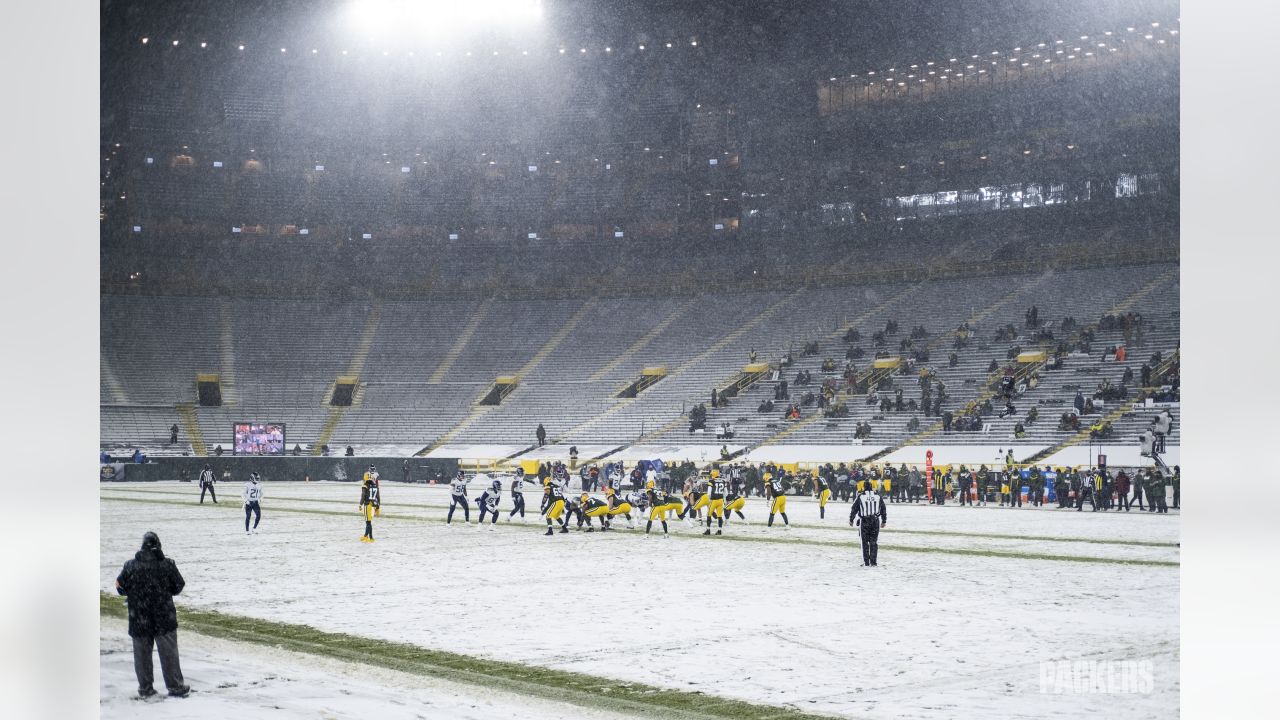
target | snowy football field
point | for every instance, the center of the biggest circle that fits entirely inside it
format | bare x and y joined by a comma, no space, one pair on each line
955,622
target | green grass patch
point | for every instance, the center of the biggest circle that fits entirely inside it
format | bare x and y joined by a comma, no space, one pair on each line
531,680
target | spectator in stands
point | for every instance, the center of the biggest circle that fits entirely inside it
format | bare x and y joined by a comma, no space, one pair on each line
715,401
946,421
173,434
1079,402
1019,431
1009,409
697,418
217,450
954,360
104,458
324,450
1032,415
766,406
1146,375
350,451
541,434
139,457
297,450
913,425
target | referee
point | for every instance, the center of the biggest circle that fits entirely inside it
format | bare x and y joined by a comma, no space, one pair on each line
869,514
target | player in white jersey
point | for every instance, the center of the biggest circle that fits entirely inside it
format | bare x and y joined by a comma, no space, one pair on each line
252,503
458,497
517,495
488,500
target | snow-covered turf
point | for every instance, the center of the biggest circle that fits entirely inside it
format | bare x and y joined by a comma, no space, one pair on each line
244,680
766,615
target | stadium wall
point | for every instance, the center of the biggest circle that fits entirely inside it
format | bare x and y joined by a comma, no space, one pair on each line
342,469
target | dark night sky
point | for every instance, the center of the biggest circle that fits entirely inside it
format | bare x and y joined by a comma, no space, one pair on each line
811,35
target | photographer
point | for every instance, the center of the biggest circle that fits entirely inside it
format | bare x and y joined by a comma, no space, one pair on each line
149,581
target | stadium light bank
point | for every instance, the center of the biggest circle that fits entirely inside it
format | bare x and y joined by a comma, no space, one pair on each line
382,20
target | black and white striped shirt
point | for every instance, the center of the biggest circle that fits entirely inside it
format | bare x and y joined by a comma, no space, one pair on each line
869,506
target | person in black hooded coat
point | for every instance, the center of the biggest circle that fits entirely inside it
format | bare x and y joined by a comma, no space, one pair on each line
149,581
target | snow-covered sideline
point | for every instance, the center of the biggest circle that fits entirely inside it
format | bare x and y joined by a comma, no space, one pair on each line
796,623
244,680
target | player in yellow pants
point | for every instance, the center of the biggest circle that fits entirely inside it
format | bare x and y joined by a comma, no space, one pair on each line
595,508
621,507
660,505
734,504
778,504
372,474
823,494
369,503
717,488
553,505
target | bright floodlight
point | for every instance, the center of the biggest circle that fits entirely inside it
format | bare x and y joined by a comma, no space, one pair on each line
418,18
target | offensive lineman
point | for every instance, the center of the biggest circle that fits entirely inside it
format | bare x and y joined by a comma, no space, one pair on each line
553,505
594,508
660,504
869,514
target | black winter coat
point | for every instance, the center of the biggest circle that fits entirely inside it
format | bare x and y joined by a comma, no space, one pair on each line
149,581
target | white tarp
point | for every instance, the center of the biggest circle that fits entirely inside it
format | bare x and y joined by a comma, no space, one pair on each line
475,452
812,453
1117,456
561,452
675,452
970,454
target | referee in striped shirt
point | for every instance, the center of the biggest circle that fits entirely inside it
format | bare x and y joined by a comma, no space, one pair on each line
869,514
